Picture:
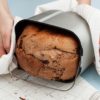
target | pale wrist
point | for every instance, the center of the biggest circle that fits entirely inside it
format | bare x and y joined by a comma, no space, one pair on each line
84,1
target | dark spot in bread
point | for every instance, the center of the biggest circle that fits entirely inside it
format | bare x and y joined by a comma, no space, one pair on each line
45,61
20,44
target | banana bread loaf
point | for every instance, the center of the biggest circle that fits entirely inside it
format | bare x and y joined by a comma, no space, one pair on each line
47,54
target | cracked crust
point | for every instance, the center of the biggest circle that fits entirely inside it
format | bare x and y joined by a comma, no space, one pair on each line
48,55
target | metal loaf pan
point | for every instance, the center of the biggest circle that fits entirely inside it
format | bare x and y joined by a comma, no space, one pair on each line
68,23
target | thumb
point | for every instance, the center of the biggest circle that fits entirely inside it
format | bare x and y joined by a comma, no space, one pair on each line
7,41
2,51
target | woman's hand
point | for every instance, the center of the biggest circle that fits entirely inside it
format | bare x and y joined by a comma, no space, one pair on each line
6,23
84,1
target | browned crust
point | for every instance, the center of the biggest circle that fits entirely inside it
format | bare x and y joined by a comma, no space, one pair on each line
47,55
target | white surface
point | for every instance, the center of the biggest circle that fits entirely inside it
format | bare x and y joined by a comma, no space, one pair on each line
14,88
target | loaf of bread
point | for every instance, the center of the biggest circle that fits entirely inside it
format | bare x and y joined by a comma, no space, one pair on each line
47,54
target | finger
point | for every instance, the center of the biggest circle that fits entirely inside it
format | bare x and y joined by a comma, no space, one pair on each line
84,1
2,51
7,41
